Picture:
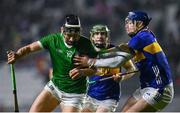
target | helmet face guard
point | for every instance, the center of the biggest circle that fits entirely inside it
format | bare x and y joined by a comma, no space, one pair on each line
71,29
100,29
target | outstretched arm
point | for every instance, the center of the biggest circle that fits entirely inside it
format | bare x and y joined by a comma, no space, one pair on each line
13,56
123,47
113,57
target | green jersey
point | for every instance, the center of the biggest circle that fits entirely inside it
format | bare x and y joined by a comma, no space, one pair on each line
62,61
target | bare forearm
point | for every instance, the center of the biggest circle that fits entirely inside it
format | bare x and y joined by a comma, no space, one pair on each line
23,51
13,56
28,49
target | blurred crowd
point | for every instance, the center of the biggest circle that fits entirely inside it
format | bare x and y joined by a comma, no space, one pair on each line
25,21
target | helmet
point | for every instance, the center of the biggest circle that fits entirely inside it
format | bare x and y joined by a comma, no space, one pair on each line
100,28
72,23
139,16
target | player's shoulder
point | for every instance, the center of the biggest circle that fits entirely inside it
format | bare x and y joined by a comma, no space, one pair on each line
146,36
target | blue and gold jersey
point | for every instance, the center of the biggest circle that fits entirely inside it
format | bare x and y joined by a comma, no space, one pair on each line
150,60
108,89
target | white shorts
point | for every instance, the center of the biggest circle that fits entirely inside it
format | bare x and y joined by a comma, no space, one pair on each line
67,99
93,104
154,98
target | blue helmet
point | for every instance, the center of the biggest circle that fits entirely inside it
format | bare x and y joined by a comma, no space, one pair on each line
139,16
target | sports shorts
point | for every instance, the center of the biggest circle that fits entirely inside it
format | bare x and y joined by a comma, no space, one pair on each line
93,104
154,98
67,99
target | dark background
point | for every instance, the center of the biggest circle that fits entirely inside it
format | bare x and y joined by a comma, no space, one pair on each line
25,21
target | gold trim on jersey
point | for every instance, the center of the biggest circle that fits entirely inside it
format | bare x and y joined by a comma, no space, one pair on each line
153,48
107,71
139,56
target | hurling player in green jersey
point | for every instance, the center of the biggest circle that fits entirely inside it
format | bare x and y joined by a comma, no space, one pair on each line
63,89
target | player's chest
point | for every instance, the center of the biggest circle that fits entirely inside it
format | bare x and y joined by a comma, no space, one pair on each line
60,51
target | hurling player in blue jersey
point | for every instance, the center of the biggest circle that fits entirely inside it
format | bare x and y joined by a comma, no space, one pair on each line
156,89
156,85
103,96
